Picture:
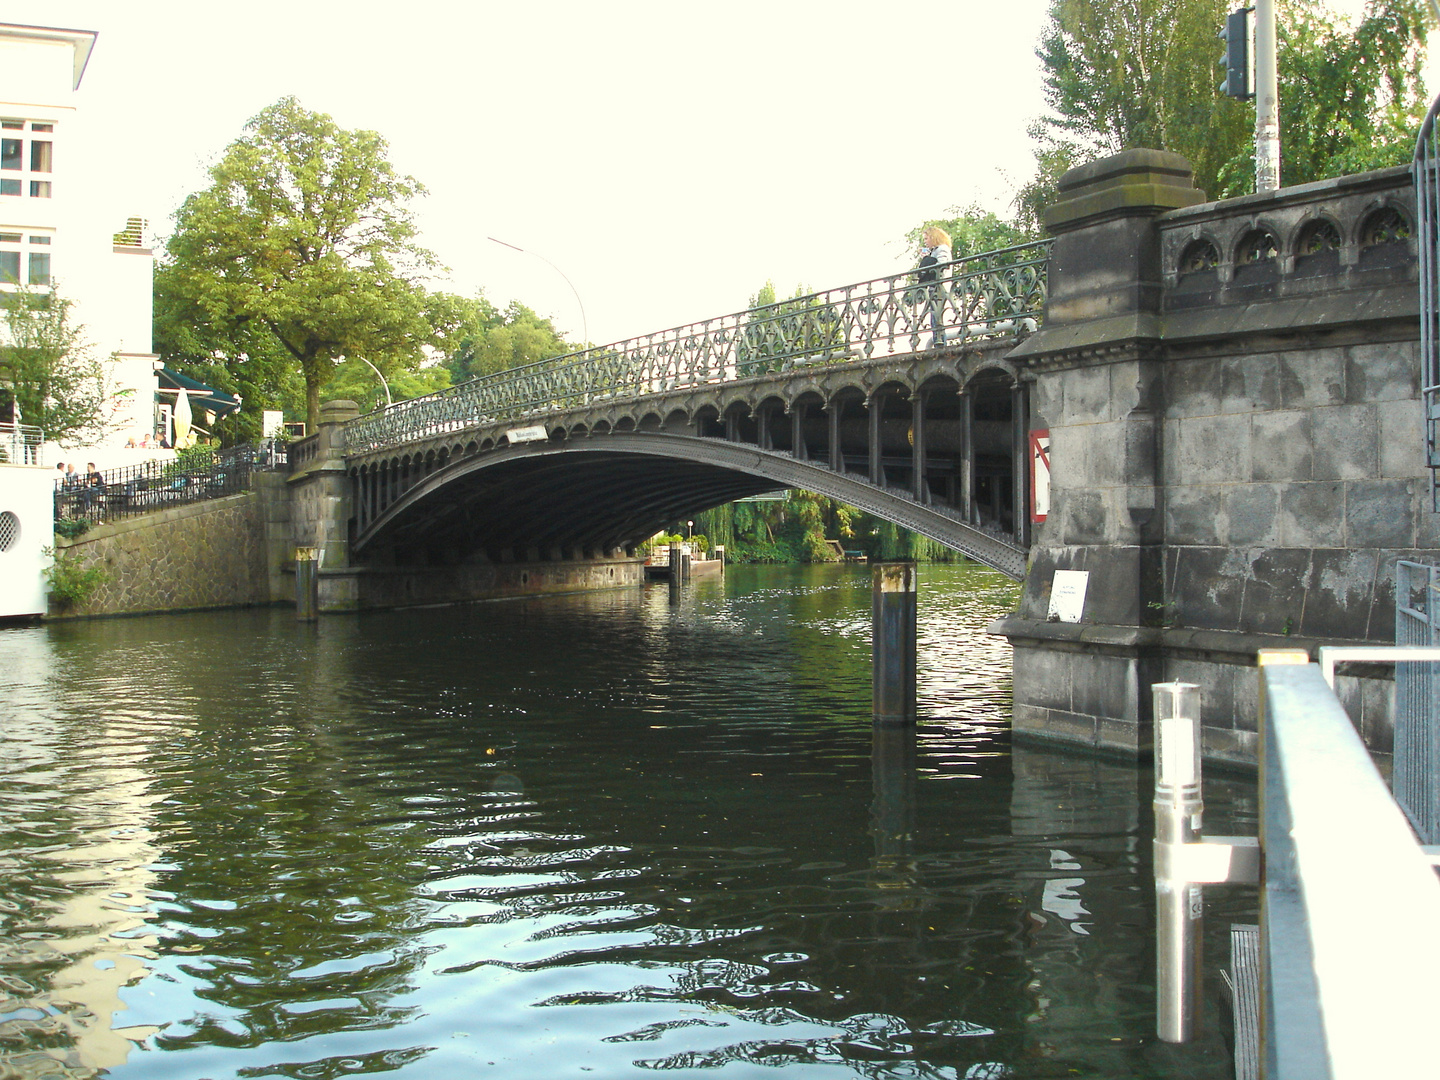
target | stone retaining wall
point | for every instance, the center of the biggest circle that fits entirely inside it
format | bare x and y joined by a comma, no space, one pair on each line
205,555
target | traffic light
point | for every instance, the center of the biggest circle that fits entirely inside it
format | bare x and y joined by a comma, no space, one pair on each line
1236,57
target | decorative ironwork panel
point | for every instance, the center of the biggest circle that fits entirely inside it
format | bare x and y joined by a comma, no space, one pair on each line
988,295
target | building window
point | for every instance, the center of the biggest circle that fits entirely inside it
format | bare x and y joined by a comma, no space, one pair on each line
20,155
30,251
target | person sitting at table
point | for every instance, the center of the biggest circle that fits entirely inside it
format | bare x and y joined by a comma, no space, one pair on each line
93,487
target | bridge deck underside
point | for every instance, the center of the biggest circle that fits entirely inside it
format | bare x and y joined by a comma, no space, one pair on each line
589,498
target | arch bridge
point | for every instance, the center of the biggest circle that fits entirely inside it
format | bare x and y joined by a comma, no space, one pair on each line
890,395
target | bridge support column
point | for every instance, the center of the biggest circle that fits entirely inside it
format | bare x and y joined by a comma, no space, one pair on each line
1083,667
321,507
877,466
917,446
892,642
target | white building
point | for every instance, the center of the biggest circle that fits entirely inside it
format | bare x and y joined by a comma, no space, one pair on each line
44,240
48,235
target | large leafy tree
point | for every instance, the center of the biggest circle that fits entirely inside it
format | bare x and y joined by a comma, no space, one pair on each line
302,250
1143,73
48,373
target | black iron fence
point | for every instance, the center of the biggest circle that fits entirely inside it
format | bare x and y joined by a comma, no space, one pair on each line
160,485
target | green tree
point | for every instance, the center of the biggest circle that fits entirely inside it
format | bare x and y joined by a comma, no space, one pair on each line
974,230
801,326
1144,73
48,372
305,233
477,339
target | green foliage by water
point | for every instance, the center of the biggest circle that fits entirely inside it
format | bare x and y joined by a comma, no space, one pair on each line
806,527
72,578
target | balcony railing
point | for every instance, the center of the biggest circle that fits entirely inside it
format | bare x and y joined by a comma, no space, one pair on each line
994,294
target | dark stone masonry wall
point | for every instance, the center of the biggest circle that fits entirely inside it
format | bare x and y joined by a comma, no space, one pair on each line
1231,391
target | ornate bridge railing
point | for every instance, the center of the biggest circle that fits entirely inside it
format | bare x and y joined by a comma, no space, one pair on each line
985,295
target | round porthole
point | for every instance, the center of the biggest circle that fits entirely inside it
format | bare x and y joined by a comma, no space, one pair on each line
9,530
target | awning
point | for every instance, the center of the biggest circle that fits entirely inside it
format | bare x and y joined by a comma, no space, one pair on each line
216,402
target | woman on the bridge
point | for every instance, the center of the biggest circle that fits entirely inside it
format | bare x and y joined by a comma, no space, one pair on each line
934,250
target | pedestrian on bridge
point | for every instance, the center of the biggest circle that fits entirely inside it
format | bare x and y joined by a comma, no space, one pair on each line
934,250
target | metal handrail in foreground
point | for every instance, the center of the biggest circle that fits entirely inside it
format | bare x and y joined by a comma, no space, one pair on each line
1350,905
987,295
1349,960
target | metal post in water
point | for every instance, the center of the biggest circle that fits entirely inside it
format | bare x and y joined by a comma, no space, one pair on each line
892,642
307,583
675,580
1179,908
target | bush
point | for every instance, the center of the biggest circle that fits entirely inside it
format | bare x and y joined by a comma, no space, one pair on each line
73,579
70,528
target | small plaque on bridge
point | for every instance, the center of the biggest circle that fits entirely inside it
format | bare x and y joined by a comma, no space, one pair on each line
1067,595
532,433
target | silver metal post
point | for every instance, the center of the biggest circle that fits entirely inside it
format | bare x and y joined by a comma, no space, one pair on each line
1179,907
1267,100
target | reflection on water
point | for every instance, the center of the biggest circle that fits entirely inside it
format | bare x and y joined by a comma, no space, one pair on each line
603,834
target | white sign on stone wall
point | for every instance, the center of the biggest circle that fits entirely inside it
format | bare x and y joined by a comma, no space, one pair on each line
532,433
1067,595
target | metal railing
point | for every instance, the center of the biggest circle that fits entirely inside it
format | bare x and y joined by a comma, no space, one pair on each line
159,485
1417,700
20,444
988,295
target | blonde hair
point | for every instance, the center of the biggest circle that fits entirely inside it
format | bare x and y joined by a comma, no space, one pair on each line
935,236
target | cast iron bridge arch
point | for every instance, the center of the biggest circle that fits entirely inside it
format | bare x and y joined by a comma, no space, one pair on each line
891,395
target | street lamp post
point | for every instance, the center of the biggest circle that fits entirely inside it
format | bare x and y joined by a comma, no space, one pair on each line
584,326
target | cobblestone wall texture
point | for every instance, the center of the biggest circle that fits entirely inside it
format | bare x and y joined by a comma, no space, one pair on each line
206,555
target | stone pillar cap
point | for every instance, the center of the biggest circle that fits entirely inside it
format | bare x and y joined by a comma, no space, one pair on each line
338,412
1131,183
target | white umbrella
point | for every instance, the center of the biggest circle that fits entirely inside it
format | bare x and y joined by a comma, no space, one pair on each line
182,419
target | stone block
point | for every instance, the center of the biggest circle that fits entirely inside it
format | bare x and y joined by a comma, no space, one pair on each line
1123,736
1342,585
1382,371
1234,746
1275,591
1087,395
1192,515
1345,443
1311,378
1194,388
1312,515
1401,438
1378,513
1208,450
1042,677
1249,383
1084,518
1208,587
1106,686
1280,446
1251,514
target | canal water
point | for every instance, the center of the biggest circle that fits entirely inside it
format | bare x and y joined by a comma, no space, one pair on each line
600,835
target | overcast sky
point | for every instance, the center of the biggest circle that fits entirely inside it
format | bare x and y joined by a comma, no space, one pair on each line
667,157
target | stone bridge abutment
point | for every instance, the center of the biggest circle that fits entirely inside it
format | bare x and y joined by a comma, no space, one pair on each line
1230,392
